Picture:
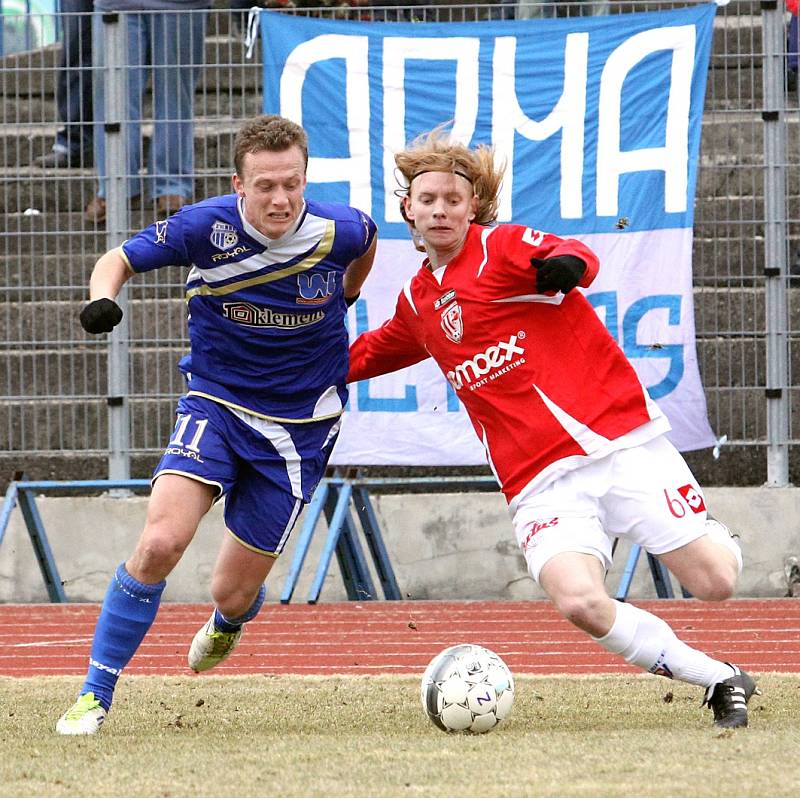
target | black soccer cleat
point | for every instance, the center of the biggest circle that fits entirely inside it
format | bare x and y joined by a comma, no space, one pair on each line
728,699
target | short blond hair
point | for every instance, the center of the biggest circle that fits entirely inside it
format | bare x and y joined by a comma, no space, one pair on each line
437,151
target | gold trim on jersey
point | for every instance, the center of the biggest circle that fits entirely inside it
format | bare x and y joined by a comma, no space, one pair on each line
279,419
272,554
190,475
131,270
321,251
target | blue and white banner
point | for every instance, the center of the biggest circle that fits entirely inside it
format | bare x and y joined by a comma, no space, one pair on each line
598,120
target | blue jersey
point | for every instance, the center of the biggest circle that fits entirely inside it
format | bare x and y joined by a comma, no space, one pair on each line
266,316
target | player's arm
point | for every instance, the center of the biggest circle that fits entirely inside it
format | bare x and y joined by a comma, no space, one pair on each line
391,347
356,273
560,263
110,273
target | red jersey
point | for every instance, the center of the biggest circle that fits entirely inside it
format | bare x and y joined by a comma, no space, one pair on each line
544,383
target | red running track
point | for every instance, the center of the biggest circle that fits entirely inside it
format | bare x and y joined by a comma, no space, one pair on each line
398,637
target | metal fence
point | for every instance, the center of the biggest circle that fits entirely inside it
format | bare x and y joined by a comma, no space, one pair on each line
67,399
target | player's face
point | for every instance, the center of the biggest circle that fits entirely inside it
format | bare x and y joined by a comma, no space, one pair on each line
272,184
441,205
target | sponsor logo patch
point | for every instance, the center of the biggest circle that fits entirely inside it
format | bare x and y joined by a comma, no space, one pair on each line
660,667
251,315
161,231
99,665
184,453
536,527
693,497
240,250
444,299
489,365
315,288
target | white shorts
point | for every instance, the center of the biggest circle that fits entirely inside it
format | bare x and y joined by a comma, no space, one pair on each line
646,495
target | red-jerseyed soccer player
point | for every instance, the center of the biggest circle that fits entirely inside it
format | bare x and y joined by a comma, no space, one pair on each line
576,443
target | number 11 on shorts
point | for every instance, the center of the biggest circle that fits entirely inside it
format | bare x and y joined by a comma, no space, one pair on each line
184,419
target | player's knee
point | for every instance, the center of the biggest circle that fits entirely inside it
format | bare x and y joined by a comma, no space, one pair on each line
581,609
232,600
715,585
156,556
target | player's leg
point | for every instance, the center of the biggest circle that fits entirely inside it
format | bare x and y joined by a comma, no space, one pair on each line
131,602
196,468
709,566
656,503
284,463
238,591
574,582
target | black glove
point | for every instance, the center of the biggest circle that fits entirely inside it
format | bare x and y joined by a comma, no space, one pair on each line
101,316
561,273
351,300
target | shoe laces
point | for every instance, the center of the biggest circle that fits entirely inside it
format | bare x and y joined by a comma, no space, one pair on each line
222,641
84,704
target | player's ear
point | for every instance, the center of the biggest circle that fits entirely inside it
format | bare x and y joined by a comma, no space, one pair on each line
238,187
473,207
405,204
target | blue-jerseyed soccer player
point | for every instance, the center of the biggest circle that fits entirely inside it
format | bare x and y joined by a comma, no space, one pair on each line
271,276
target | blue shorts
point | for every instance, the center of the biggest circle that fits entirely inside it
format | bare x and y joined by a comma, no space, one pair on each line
266,471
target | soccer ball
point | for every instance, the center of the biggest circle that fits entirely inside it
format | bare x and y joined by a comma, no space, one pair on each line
467,688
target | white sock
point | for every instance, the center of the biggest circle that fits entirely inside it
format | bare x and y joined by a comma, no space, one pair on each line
719,533
645,640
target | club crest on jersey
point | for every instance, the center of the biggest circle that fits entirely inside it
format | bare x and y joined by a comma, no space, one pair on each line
444,299
453,323
223,236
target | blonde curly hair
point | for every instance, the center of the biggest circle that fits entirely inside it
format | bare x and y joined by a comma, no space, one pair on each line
436,151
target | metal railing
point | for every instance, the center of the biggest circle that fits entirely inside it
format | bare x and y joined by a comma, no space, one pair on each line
65,402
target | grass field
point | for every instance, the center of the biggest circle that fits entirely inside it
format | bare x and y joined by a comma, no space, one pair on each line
614,736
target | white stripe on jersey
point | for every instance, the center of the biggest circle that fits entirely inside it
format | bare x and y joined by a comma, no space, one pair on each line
543,298
298,505
283,443
246,267
279,251
484,235
407,292
589,440
485,442
333,430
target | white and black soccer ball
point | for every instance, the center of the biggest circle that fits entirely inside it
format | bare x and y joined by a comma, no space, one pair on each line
467,688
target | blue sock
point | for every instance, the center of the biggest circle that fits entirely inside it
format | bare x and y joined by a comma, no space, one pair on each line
128,611
235,624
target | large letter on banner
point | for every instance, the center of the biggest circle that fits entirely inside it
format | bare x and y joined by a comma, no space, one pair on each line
598,121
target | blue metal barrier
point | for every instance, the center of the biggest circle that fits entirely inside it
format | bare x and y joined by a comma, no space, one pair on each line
334,497
23,492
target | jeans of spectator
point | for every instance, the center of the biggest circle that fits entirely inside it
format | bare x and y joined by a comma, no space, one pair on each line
170,46
539,9
74,82
792,44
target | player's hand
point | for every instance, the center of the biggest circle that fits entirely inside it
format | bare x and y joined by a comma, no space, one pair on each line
351,300
101,316
561,273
